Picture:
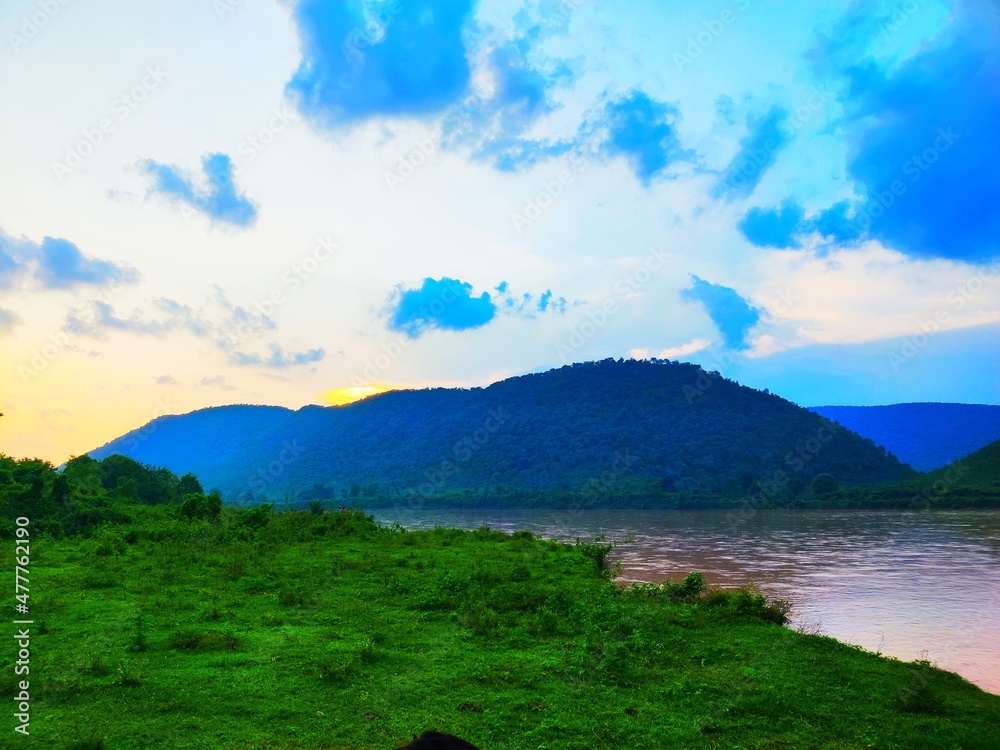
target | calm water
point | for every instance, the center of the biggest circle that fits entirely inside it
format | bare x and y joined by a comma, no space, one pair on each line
910,585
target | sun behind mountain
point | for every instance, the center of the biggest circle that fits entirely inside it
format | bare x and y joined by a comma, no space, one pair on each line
350,394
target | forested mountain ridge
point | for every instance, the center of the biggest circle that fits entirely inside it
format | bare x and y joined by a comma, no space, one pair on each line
927,436
611,421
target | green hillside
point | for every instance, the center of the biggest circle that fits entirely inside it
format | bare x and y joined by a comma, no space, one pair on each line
979,469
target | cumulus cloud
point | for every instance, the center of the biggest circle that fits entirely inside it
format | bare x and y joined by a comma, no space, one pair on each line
924,150
787,225
774,227
219,200
731,313
644,131
527,304
450,305
61,265
517,81
366,60
446,304
56,264
548,301
166,380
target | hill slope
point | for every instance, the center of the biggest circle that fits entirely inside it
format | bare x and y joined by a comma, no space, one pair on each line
927,436
980,469
560,429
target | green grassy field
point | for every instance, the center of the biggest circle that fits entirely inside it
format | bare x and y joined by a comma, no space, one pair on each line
323,631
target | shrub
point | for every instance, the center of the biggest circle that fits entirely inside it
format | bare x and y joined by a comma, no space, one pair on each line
747,602
598,553
919,697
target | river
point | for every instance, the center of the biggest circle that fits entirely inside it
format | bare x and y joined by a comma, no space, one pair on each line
915,585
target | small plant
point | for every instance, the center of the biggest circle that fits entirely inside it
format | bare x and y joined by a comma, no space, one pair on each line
183,639
98,667
139,638
90,743
367,650
481,620
291,598
210,614
337,671
126,676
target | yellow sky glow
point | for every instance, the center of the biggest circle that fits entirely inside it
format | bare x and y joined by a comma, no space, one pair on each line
350,394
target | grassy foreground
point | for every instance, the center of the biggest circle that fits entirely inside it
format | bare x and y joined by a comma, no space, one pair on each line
304,630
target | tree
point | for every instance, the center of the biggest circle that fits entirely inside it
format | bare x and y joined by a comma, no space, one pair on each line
190,485
197,505
825,484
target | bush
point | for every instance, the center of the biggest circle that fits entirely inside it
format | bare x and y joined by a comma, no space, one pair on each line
747,602
598,553
919,697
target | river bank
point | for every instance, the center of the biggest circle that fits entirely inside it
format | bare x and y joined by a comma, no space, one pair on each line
318,630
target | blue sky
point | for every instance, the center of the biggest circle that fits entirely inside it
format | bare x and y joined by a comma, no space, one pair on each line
218,202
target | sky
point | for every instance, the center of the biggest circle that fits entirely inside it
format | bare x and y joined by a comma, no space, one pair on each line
208,202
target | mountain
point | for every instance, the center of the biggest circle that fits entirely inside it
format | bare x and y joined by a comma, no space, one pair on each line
927,436
980,469
602,422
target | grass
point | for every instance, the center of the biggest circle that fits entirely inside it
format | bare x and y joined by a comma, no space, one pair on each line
323,631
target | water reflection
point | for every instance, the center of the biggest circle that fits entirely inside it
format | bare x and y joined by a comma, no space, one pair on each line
910,585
